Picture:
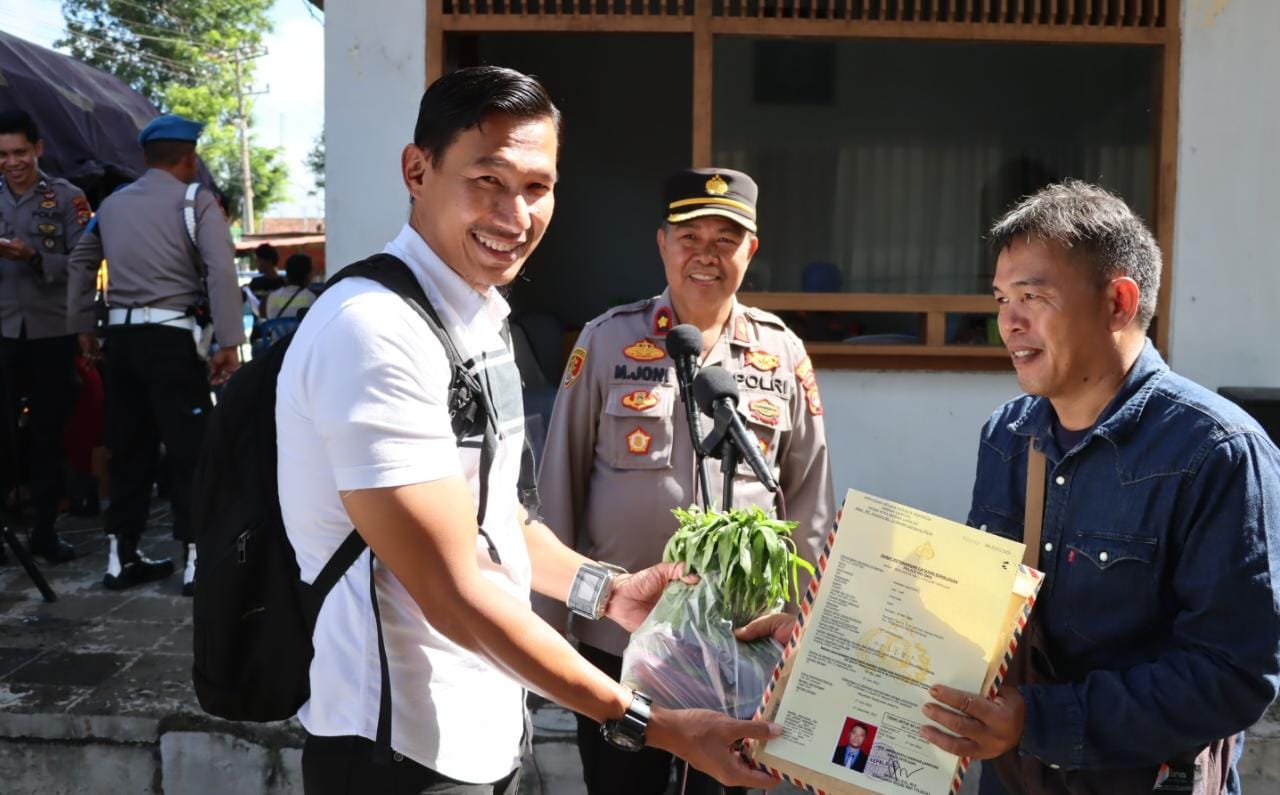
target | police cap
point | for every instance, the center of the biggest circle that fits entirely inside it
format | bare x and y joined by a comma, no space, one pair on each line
170,128
698,192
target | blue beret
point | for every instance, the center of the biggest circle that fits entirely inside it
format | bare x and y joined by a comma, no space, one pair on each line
170,128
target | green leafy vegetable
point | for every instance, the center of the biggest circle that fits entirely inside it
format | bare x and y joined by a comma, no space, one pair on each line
749,556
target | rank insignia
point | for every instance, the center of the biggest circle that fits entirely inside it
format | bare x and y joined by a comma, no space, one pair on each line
49,204
741,332
49,243
662,321
643,350
762,360
640,400
574,368
764,410
50,196
83,212
638,442
46,229
716,186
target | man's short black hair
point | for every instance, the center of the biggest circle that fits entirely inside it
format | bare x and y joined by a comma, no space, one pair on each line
297,269
19,121
463,99
166,152
267,252
1095,228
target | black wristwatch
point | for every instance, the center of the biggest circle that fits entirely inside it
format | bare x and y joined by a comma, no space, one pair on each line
627,733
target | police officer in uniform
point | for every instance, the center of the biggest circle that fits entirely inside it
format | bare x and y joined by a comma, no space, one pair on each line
41,219
619,455
164,239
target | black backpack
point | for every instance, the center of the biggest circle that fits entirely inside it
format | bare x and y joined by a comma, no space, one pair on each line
253,614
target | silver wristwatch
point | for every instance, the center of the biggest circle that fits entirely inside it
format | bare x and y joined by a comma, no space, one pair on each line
591,589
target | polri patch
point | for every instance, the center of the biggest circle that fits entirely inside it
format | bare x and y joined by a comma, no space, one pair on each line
574,368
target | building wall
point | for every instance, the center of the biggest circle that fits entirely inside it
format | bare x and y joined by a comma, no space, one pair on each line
912,436
1226,276
375,63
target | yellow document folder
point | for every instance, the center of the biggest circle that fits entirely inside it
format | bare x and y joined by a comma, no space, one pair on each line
902,600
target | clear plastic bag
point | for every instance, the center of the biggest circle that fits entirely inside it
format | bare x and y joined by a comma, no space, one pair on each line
685,656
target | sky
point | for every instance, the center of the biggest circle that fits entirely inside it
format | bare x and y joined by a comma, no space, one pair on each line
290,114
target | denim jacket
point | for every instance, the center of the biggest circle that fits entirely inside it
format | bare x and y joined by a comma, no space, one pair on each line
1161,547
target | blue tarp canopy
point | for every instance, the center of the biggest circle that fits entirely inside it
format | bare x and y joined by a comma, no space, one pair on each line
89,119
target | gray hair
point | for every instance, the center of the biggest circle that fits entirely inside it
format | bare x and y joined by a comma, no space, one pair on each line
1096,229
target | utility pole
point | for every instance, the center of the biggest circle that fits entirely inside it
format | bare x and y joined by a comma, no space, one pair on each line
242,122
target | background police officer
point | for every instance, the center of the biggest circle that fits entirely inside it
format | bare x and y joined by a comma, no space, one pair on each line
619,455
163,240
41,218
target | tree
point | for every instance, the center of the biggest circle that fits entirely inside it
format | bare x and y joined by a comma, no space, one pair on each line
315,163
181,55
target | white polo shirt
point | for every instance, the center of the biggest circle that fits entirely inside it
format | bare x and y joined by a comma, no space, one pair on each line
361,403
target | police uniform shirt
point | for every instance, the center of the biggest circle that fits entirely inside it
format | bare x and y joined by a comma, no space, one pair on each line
50,218
150,258
619,455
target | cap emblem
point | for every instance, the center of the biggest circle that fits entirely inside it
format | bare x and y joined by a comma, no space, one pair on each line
716,186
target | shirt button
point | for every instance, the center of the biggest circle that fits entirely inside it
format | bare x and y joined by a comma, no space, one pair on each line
1048,547
1060,480
1102,556
1056,767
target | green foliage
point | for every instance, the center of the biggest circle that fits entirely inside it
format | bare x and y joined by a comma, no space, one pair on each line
315,163
181,55
751,558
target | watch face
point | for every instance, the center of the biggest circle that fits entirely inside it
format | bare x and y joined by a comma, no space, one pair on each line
623,741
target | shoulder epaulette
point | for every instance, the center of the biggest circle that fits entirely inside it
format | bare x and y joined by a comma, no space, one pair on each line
762,316
623,309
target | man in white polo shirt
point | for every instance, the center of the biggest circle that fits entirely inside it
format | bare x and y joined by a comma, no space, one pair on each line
365,440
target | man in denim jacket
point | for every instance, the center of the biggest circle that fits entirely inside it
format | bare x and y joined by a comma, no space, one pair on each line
1161,538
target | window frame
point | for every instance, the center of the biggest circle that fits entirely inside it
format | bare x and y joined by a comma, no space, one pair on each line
1146,23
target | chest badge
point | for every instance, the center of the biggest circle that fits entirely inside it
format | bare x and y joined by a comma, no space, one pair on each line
662,321
764,410
49,204
643,350
640,400
574,368
46,229
762,360
638,442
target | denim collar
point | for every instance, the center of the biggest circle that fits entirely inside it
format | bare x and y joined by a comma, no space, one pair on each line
1120,416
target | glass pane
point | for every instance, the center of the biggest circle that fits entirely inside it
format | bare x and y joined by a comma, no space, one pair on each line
883,173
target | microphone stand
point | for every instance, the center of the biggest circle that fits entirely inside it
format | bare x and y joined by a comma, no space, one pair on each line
720,444
695,433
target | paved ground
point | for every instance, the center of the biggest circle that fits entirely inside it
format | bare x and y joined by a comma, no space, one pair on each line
95,695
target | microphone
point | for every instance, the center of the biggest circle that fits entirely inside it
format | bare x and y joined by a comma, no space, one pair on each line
717,394
684,346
